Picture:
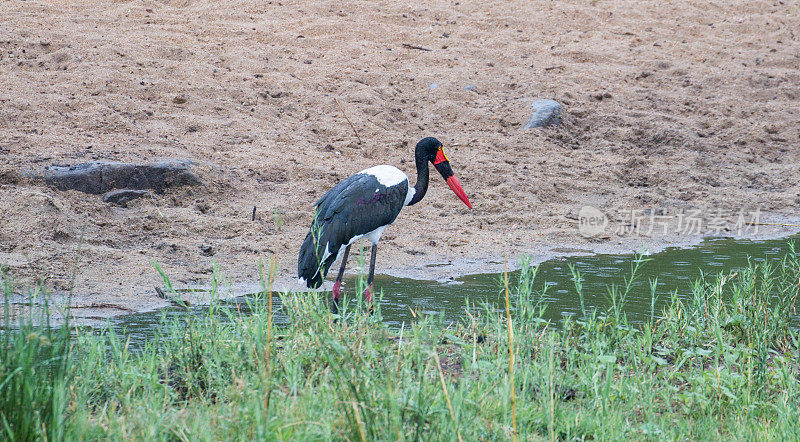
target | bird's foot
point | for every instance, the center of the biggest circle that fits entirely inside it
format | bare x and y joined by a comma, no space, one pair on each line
368,294
337,290
368,298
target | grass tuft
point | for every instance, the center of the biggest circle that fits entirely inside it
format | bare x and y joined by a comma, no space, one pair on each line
35,368
721,360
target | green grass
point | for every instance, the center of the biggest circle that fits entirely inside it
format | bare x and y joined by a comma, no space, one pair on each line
719,363
35,363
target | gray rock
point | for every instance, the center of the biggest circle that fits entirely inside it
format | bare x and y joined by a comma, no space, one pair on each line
206,250
102,176
545,113
123,196
471,88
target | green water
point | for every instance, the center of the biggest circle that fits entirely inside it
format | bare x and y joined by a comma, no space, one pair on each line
675,269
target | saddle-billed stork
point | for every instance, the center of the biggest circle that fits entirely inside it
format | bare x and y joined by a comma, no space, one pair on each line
363,206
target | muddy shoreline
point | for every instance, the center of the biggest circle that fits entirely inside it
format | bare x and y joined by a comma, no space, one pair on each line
94,310
667,110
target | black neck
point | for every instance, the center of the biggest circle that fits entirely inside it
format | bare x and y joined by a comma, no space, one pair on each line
422,179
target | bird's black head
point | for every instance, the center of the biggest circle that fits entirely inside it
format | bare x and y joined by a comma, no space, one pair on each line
431,149
427,148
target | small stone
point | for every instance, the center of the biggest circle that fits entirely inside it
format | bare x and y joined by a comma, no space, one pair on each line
545,113
206,250
179,100
433,86
471,88
203,207
10,176
600,96
123,197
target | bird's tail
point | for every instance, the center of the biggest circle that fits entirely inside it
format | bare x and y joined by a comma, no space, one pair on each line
315,257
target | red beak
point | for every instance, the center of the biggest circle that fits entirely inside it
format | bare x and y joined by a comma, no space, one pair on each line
455,186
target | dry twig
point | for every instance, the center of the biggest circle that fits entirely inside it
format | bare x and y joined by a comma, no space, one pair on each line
447,396
348,119
173,300
419,48
510,354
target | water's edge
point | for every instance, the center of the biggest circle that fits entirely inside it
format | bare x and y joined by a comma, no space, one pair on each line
670,269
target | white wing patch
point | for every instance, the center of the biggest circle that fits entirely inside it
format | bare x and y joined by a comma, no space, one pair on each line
410,195
373,237
386,175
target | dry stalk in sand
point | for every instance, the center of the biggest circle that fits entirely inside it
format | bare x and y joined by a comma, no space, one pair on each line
348,119
358,420
510,353
419,48
446,396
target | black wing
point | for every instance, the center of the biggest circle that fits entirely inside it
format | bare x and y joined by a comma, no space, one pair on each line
349,209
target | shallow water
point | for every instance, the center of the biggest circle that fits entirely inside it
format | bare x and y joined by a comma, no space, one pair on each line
675,269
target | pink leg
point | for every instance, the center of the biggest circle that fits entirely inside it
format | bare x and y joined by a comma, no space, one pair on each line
368,294
368,298
337,290
337,286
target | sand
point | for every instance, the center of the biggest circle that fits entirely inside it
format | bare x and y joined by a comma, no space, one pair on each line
670,107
